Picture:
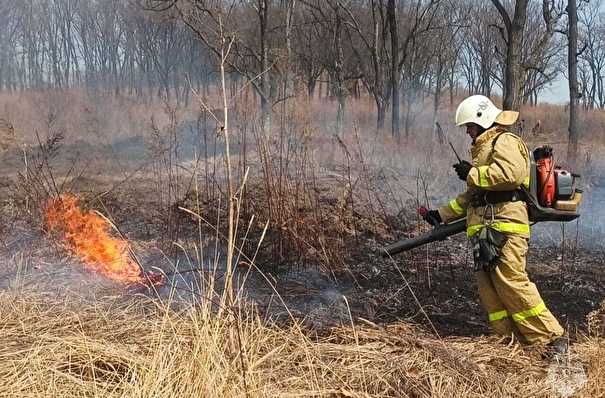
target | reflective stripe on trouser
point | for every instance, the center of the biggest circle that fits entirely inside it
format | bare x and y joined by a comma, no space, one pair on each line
512,302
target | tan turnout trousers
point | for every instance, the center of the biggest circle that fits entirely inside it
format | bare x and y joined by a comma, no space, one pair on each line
513,303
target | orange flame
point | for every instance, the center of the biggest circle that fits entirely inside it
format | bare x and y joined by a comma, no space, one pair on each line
86,236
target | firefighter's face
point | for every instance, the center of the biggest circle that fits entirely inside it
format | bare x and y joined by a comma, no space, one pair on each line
472,130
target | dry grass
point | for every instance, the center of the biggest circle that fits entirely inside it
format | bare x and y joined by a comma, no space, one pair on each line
134,346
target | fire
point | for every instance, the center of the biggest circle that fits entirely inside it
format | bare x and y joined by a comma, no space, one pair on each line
85,234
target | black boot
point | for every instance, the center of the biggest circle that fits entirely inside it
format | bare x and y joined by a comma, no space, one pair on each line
558,348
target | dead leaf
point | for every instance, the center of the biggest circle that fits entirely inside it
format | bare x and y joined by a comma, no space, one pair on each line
413,372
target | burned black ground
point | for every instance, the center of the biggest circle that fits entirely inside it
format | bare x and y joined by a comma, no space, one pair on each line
435,286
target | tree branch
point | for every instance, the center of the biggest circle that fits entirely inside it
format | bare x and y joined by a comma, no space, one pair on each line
503,14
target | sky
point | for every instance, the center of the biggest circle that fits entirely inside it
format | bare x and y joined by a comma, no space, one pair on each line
558,93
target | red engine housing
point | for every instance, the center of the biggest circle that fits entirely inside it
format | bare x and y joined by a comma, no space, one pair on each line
546,181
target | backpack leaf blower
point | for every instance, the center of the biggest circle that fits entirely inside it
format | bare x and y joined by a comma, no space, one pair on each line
551,196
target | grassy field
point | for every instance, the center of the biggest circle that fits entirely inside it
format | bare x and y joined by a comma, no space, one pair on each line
132,346
304,198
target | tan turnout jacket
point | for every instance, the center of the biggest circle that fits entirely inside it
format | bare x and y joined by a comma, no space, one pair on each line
502,166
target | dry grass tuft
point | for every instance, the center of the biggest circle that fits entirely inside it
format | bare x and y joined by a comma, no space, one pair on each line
134,346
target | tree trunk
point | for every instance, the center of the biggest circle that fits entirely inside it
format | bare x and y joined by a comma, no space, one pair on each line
574,97
339,68
437,99
381,117
514,75
394,66
514,66
264,77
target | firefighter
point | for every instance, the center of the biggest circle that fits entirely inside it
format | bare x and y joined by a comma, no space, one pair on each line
537,128
500,164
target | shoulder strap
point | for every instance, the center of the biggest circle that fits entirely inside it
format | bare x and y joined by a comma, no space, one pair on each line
496,139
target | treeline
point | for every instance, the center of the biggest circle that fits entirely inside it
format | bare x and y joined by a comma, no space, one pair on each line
397,51
99,44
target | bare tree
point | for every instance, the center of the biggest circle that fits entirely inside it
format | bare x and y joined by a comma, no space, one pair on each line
247,24
418,19
310,41
328,17
514,43
108,42
265,94
444,49
479,64
85,29
33,44
591,61
10,19
370,40
339,65
542,54
64,12
290,8
518,61
166,45
574,97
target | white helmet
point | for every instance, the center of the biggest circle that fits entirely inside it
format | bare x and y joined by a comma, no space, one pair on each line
477,109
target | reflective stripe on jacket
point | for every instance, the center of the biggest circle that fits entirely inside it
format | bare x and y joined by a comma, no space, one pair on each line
500,167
